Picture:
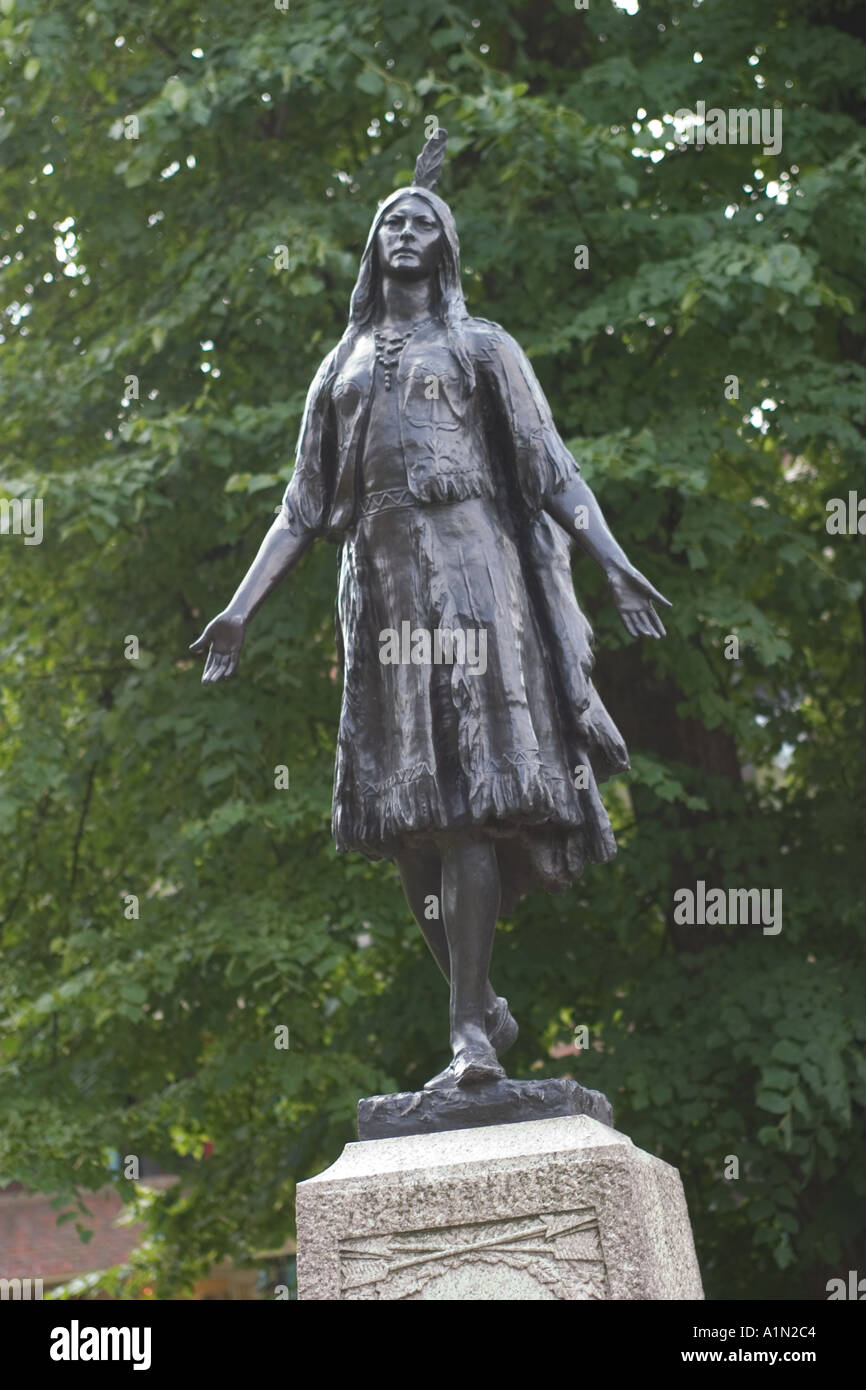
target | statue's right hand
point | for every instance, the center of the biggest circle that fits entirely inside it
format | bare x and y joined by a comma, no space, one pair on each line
222,639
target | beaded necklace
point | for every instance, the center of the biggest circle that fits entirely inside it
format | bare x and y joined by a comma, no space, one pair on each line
389,345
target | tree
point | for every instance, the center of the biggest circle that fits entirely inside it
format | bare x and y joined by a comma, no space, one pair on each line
185,200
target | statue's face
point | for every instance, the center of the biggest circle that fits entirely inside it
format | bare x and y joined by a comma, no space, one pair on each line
409,239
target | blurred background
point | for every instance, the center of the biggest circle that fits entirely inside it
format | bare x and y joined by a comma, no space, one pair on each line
195,989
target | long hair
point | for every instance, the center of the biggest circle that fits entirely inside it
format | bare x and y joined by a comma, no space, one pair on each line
450,305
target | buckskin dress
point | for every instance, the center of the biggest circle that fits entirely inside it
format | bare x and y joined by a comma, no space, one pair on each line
447,531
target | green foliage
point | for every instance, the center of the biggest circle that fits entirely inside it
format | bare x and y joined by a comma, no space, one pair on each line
155,361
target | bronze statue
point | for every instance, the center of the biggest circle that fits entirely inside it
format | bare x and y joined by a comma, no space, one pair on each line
471,739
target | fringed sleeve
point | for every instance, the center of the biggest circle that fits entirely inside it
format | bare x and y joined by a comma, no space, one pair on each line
307,499
542,463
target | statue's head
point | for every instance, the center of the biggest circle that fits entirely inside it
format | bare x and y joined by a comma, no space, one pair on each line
413,235
409,240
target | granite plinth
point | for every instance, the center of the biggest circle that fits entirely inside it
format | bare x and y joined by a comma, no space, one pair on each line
558,1209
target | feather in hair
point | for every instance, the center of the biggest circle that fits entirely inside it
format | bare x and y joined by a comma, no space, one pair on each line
428,165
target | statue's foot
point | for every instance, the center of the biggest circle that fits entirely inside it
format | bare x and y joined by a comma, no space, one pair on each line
474,1065
470,1066
501,1027
440,1080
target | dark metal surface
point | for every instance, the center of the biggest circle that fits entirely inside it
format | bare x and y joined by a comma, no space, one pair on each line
461,1107
471,740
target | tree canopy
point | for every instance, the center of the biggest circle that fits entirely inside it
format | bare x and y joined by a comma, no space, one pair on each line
186,193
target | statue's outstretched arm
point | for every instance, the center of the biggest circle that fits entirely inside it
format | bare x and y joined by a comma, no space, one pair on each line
224,635
293,531
549,479
576,510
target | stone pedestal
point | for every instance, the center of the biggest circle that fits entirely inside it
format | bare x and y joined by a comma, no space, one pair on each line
551,1209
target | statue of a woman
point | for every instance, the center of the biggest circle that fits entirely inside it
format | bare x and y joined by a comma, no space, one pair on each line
471,738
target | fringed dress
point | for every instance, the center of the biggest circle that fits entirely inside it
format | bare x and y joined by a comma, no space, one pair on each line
494,730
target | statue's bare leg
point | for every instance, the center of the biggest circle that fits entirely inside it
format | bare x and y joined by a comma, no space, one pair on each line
420,872
470,906
421,875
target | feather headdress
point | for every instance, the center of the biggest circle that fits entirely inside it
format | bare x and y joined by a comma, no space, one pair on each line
428,165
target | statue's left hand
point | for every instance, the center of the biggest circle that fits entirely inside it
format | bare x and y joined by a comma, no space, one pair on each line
633,595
